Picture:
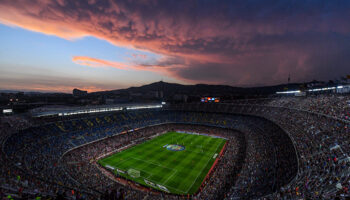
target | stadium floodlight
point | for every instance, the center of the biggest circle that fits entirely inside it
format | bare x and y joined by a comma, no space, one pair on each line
289,92
143,107
340,87
7,111
322,89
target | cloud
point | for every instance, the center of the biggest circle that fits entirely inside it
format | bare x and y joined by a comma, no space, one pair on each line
163,65
239,43
94,62
137,56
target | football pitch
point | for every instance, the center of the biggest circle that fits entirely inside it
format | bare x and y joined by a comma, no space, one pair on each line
173,162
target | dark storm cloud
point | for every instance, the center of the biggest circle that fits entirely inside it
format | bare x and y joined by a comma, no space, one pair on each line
235,42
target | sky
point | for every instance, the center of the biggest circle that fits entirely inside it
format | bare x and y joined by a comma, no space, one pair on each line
58,45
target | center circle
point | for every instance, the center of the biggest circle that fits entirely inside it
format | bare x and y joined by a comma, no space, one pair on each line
175,147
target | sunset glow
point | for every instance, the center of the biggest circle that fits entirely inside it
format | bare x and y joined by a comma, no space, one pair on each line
102,45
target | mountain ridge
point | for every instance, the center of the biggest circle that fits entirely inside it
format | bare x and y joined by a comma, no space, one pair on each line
200,89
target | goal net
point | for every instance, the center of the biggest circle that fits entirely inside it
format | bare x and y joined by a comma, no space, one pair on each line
134,173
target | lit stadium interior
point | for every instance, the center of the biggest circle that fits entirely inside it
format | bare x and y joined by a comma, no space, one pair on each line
174,100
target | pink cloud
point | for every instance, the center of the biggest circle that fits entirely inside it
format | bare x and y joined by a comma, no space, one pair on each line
165,66
136,56
94,62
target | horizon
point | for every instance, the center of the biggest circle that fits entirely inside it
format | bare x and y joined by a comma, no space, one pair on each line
56,46
70,92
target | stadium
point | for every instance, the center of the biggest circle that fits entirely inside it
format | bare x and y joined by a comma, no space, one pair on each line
271,148
174,100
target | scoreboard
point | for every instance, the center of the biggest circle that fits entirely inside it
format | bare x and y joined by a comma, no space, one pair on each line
210,100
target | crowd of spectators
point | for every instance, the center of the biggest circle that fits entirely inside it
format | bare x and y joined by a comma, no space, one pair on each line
319,129
323,146
334,105
16,183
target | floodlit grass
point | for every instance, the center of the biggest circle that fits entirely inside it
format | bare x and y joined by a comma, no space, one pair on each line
179,172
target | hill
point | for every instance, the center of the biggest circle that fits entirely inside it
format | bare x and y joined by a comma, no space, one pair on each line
170,89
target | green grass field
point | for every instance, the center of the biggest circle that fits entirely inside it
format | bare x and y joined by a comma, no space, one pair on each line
177,172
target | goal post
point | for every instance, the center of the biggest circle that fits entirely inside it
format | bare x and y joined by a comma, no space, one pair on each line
134,173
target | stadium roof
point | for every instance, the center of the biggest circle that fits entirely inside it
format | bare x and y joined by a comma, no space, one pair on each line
66,110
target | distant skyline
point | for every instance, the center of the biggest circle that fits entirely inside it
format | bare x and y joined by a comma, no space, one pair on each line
55,46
